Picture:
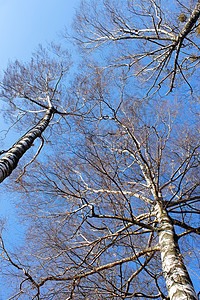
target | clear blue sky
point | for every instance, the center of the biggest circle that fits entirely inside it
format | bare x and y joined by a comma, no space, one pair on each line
26,23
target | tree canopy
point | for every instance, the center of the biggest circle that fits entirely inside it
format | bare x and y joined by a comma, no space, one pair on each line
110,196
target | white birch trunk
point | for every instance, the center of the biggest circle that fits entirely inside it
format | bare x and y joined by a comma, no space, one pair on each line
10,160
178,282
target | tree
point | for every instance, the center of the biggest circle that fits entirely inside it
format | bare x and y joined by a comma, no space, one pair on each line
113,205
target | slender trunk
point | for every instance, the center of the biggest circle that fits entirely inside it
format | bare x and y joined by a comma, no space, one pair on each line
178,282
10,160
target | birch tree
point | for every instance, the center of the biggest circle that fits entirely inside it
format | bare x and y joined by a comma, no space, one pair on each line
29,90
113,208
155,39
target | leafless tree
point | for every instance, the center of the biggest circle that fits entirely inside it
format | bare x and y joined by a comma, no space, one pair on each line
157,40
113,207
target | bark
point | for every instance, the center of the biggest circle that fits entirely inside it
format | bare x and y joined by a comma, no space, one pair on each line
191,22
178,282
10,160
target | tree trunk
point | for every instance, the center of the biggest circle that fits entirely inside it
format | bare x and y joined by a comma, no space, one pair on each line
178,282
10,160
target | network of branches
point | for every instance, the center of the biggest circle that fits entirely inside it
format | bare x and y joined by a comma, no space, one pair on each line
109,198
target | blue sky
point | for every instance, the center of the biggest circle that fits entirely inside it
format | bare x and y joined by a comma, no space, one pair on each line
26,23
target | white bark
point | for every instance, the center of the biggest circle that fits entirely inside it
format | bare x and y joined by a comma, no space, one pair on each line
191,22
10,160
178,282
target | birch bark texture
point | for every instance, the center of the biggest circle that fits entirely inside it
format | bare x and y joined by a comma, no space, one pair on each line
178,282
10,160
